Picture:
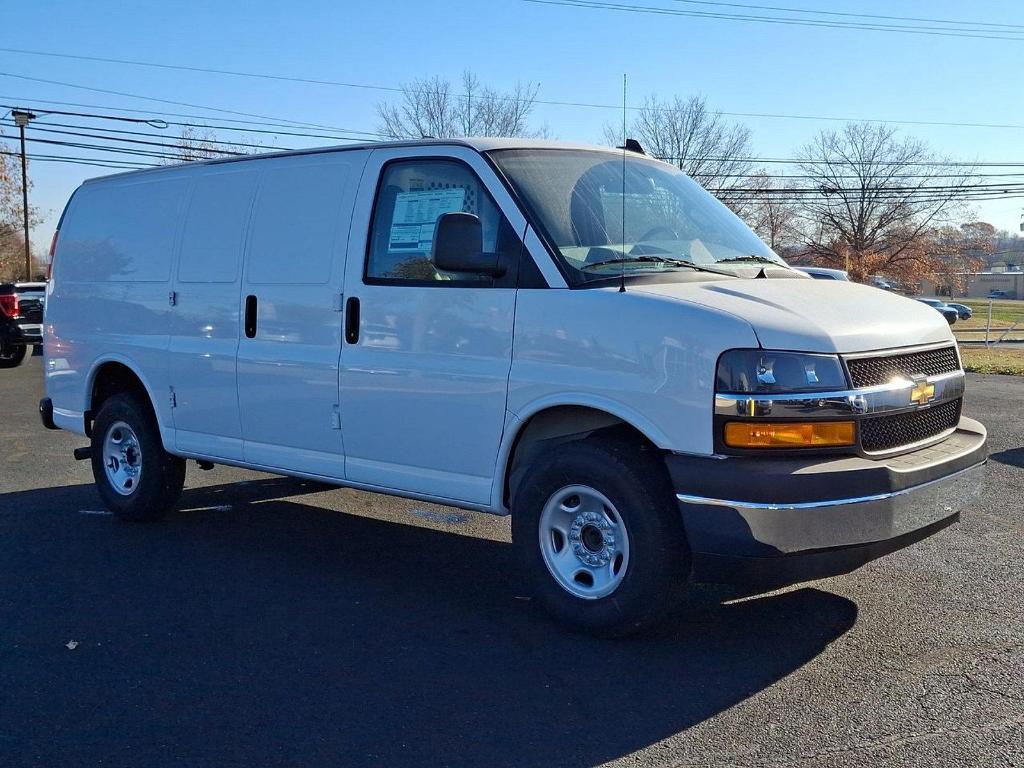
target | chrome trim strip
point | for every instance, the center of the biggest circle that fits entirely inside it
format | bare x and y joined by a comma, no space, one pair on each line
893,352
688,499
882,398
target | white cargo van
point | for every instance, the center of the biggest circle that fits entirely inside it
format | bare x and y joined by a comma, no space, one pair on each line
579,337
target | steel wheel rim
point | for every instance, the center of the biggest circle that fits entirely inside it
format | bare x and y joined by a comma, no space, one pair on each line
122,458
584,542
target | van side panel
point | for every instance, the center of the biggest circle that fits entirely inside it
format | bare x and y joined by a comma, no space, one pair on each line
206,321
109,298
294,272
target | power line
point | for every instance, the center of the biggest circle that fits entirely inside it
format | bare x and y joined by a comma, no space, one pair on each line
543,102
86,132
206,70
871,192
732,194
812,161
785,21
204,143
670,158
162,101
217,140
830,118
972,191
81,145
122,164
756,175
850,15
753,160
840,193
969,191
748,177
23,99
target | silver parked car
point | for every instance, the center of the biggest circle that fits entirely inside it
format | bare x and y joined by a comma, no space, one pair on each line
947,311
962,310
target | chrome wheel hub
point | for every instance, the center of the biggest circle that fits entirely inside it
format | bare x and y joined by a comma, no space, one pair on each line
122,458
593,539
584,542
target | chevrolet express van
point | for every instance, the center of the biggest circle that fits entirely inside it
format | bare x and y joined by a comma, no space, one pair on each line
580,337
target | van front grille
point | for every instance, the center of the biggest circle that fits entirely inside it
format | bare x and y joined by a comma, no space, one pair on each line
873,371
886,433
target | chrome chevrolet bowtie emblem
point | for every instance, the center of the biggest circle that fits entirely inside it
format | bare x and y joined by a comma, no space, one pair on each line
922,392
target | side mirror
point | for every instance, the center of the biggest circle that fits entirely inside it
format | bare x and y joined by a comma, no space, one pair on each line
458,246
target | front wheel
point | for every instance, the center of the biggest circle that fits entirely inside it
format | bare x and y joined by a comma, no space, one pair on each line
11,355
599,537
136,478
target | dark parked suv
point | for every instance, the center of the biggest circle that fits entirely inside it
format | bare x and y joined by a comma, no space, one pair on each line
21,320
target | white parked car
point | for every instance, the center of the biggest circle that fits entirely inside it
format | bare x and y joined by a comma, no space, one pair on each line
584,340
824,273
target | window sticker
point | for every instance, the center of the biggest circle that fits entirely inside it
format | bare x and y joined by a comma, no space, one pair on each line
416,214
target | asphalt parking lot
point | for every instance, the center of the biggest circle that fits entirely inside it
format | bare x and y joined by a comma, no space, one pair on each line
279,622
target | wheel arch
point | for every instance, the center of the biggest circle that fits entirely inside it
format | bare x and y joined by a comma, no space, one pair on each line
109,376
551,423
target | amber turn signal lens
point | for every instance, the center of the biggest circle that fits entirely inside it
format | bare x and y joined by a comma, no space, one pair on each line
815,434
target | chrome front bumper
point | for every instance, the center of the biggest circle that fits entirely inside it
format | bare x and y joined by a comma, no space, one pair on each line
793,511
791,528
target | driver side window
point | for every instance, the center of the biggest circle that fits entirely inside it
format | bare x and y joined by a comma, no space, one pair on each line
411,196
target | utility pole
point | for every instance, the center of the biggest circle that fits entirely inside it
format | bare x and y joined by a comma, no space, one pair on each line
21,119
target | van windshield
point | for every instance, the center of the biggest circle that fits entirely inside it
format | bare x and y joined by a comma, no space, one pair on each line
651,218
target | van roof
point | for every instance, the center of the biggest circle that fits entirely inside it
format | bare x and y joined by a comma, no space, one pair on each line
480,144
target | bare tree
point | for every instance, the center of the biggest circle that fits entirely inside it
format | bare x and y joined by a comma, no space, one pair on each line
875,199
433,107
959,251
12,235
699,141
775,219
193,145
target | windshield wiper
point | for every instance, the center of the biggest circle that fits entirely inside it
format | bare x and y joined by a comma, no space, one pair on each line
658,260
755,259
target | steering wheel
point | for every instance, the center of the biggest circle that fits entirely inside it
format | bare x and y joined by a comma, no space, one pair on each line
650,233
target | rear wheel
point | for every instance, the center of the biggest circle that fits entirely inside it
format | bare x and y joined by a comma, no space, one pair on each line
599,536
11,355
136,478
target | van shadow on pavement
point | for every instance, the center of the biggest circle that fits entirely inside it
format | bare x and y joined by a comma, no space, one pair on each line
1014,457
280,633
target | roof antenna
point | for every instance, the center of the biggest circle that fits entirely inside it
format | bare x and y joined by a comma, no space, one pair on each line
625,143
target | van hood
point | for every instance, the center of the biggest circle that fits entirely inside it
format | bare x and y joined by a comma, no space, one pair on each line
815,315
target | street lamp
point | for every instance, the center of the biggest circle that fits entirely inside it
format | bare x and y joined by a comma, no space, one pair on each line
21,119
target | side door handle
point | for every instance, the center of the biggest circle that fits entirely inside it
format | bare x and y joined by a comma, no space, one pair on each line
352,320
250,317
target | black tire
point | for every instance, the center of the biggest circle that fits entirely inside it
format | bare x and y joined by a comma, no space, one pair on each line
161,476
634,480
11,356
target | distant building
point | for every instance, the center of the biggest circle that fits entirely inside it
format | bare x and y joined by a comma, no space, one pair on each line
980,284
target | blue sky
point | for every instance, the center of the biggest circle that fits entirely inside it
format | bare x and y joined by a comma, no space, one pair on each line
574,54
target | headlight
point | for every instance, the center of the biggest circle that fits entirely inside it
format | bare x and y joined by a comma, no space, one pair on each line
742,371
